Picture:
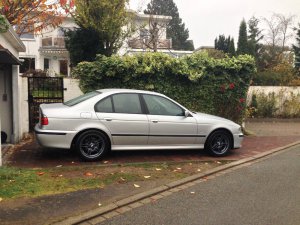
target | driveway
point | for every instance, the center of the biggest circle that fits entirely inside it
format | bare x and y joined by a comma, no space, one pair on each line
268,135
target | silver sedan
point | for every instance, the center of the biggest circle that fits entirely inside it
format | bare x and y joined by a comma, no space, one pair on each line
121,119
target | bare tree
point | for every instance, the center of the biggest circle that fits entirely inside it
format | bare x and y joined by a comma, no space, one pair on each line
279,29
156,31
286,23
151,33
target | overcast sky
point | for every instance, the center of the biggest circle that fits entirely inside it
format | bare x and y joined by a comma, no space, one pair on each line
206,19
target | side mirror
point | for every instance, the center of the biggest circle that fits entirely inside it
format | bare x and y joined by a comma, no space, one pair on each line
187,113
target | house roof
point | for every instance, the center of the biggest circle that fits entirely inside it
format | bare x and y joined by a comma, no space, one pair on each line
6,57
11,36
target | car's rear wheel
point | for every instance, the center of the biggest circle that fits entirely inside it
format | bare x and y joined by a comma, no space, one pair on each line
92,145
218,143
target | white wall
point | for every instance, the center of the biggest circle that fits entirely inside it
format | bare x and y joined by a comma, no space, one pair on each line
24,111
72,88
283,91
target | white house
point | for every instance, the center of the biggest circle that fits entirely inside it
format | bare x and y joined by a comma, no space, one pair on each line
10,118
48,52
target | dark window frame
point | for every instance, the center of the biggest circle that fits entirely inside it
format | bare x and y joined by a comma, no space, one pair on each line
143,109
148,112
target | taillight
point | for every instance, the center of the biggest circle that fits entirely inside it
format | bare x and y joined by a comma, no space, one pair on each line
44,120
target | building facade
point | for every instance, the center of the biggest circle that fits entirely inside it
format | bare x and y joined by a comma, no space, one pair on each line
10,118
47,52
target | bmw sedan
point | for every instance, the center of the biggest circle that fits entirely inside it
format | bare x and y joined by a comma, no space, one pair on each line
121,119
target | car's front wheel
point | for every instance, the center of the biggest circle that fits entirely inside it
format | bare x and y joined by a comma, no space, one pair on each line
218,143
92,145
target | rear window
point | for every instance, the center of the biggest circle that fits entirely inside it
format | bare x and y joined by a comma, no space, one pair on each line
81,98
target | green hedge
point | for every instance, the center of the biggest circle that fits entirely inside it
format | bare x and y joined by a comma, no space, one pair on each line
201,83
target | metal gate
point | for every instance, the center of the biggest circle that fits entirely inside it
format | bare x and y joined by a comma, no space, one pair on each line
43,90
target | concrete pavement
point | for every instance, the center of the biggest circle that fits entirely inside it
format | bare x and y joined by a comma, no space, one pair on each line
265,192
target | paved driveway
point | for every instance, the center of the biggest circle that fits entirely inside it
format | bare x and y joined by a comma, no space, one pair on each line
269,135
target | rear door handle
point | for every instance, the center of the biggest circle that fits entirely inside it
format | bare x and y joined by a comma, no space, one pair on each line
154,121
108,119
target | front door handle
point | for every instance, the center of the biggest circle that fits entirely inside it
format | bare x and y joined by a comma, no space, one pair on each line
108,119
154,121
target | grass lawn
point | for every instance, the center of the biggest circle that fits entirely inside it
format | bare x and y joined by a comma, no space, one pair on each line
21,182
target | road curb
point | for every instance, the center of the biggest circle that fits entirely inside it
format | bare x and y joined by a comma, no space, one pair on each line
92,214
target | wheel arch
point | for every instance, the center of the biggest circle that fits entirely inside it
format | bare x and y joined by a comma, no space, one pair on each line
221,129
90,129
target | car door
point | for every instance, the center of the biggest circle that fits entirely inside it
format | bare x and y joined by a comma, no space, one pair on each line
168,123
122,114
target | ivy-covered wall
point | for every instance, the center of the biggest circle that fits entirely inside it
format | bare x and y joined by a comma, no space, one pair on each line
200,83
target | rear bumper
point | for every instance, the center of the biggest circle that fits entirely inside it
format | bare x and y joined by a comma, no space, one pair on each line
237,140
53,138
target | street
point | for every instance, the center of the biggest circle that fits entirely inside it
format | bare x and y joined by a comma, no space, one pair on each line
266,192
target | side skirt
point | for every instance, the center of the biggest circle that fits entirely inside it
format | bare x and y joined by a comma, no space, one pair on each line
155,147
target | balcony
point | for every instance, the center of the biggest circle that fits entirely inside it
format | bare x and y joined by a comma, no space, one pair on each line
146,43
53,42
54,46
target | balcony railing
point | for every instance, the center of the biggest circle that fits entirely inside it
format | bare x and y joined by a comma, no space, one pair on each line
146,43
53,42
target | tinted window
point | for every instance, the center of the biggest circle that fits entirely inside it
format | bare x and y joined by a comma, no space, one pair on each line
81,98
127,103
161,106
104,106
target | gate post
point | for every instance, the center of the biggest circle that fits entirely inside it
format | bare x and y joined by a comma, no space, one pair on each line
0,144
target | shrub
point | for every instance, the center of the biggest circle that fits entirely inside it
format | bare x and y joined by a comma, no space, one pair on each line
281,105
201,83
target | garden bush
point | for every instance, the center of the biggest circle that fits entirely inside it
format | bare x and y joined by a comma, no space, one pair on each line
199,82
274,105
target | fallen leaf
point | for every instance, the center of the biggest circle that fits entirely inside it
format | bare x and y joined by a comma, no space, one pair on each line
178,168
136,186
147,177
40,173
59,166
192,192
1,199
88,174
105,162
123,179
158,169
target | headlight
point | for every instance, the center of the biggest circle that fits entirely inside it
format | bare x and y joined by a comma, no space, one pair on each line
240,129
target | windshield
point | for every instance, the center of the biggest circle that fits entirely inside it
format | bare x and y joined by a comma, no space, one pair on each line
81,98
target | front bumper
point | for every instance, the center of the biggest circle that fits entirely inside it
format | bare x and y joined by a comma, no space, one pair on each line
237,140
54,138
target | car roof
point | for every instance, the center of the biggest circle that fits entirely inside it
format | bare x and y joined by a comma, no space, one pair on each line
120,90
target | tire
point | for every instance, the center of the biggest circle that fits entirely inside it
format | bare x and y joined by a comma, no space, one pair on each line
92,145
219,143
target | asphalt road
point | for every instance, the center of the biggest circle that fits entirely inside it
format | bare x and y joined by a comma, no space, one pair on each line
264,193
